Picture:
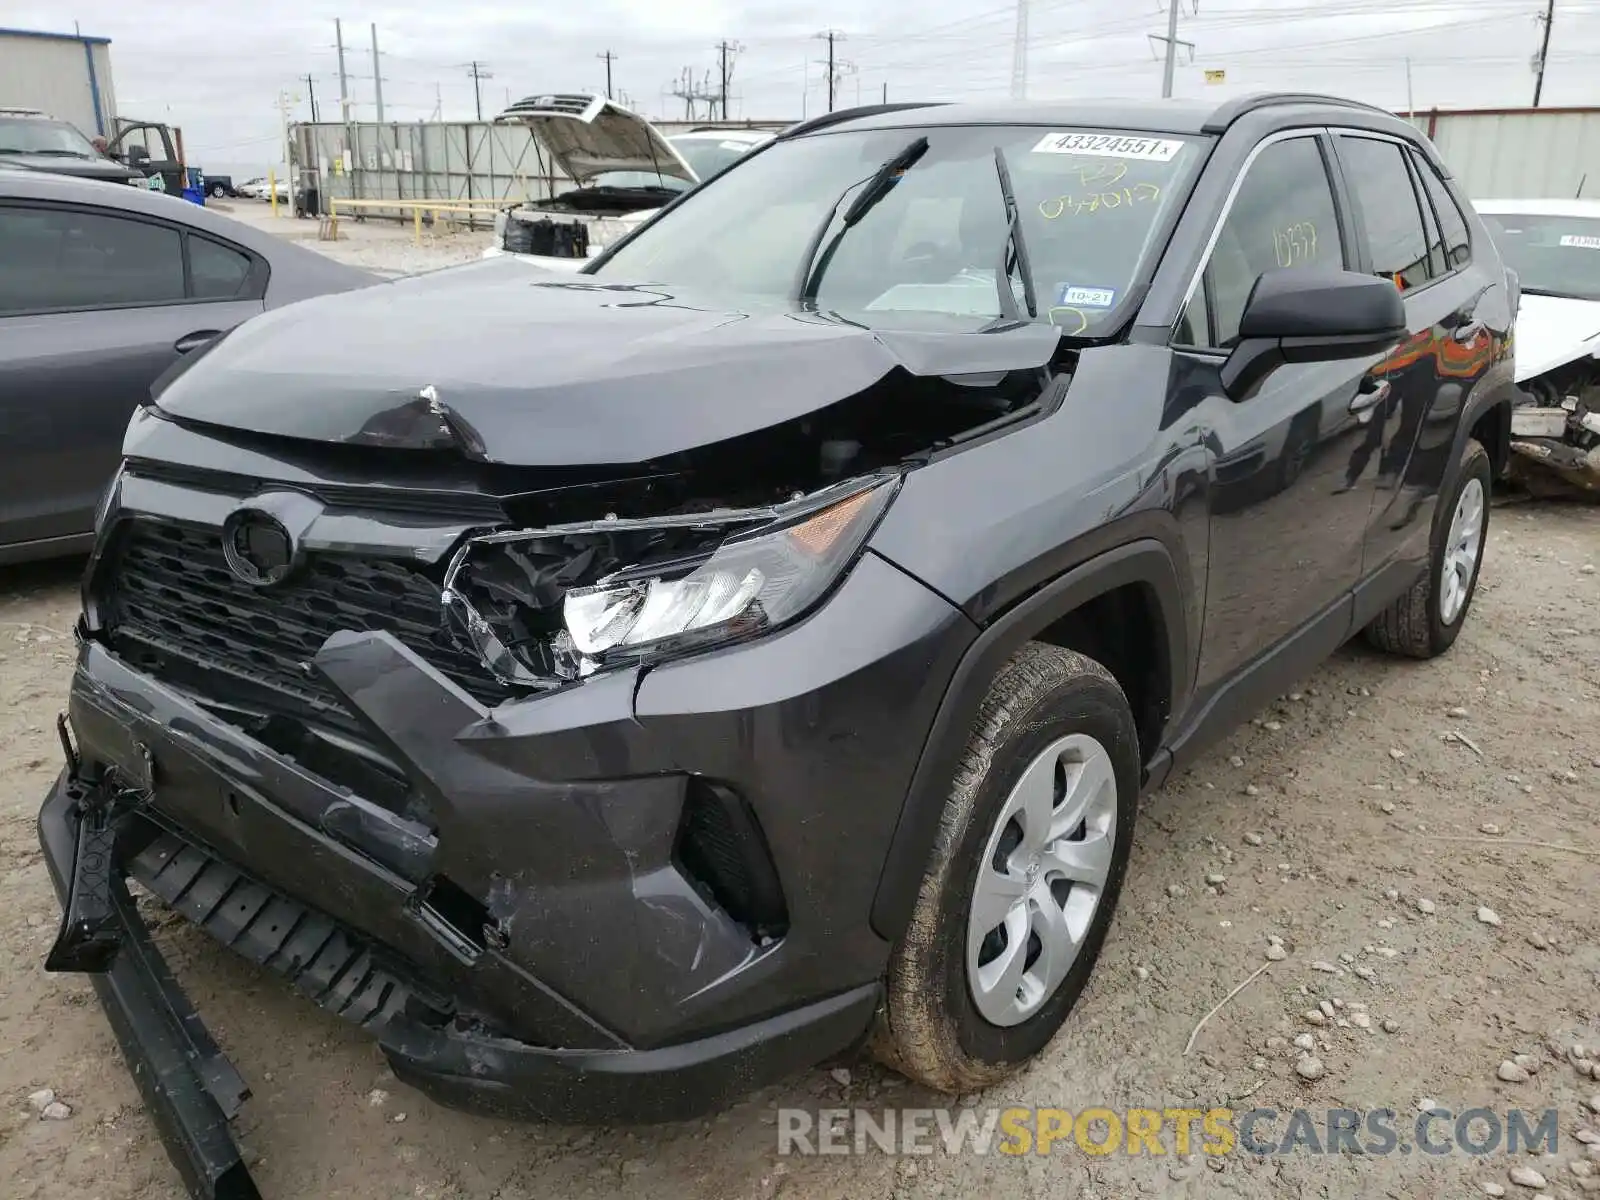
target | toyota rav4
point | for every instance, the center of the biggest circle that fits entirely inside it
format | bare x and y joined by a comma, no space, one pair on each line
619,690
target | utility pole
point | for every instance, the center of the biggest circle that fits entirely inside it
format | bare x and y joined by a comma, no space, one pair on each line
475,69
1411,103
377,75
609,59
1019,54
1549,19
1173,41
344,81
311,90
831,36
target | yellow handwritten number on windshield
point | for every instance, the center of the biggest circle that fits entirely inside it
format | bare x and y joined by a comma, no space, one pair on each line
1139,193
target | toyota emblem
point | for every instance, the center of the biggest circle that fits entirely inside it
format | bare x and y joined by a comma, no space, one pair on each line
257,547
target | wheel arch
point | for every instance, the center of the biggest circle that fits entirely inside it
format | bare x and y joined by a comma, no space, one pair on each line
1065,611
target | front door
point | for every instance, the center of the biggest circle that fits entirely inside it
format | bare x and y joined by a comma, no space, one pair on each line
1287,516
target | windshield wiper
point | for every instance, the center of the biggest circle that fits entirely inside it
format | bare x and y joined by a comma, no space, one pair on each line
1014,251
879,185
1537,291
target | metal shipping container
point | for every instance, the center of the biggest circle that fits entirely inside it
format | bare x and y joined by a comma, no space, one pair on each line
66,75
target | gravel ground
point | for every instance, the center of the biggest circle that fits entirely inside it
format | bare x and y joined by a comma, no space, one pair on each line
378,245
1419,839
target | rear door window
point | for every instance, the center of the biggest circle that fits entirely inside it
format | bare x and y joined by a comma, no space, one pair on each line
1452,225
1387,202
217,272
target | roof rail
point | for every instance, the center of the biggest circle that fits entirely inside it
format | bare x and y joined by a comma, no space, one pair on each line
851,114
1230,111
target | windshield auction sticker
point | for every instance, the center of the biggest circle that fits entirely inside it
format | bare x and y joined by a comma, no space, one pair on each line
1581,241
1109,145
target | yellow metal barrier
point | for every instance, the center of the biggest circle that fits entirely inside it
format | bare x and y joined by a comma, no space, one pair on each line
329,230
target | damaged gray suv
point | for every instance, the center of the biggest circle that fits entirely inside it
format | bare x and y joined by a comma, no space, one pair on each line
619,690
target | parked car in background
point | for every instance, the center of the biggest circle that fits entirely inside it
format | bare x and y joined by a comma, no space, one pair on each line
220,187
615,692
253,188
1554,247
31,140
102,288
624,170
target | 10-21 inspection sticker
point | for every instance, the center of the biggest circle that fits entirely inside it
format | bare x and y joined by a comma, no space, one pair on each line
1075,296
1109,145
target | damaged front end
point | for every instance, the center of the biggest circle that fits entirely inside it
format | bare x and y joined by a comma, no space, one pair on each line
547,606
1555,437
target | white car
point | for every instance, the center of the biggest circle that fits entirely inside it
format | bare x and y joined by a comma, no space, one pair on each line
623,168
1554,247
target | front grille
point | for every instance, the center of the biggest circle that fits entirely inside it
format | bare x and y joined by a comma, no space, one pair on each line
171,607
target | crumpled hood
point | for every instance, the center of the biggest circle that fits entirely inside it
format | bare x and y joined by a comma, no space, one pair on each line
1552,330
512,366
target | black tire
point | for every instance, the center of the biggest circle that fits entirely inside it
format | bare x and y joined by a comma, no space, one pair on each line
930,1028
1412,626
218,191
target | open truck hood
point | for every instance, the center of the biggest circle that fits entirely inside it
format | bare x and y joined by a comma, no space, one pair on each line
588,135
506,365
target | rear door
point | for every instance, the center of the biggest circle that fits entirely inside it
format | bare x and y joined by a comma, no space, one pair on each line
1287,520
1413,231
94,305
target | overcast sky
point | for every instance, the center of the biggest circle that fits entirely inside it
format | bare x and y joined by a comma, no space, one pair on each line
217,71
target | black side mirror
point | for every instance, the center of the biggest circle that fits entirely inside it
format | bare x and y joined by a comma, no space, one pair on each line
1304,314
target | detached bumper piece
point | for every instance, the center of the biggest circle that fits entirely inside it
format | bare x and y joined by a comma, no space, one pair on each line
1555,452
190,1088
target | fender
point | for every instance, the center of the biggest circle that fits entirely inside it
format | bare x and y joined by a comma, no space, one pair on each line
1146,561
1495,387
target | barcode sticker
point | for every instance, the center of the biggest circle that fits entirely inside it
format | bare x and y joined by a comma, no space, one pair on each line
1109,145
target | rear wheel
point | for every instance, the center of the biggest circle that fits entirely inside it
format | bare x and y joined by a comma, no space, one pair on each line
1425,620
1031,852
218,191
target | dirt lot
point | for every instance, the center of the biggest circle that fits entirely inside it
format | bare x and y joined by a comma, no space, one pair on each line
1348,785
1337,818
378,245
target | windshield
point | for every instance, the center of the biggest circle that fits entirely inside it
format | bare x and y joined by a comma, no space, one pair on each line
1553,256
30,135
708,155
1090,203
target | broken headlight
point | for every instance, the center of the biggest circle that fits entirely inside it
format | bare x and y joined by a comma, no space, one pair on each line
545,606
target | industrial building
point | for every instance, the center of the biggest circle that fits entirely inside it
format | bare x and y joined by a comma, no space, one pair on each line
67,75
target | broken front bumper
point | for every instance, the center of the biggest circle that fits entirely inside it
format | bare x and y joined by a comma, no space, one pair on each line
539,951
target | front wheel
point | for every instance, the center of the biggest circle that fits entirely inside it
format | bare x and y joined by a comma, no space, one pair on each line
1425,621
218,192
1032,847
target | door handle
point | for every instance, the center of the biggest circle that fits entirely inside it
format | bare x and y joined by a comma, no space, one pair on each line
1370,394
193,341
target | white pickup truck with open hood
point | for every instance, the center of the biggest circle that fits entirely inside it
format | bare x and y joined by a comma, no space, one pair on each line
1554,247
623,171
